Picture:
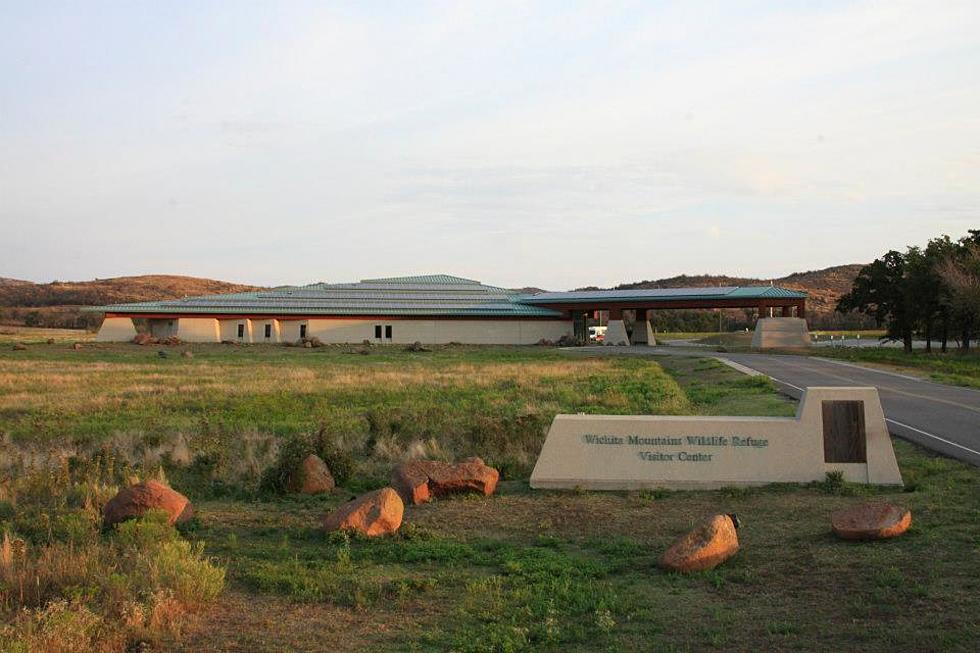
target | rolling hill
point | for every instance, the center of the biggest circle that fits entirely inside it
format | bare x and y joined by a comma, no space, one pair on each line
57,304
824,286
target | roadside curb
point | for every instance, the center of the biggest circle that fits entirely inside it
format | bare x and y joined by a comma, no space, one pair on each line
739,367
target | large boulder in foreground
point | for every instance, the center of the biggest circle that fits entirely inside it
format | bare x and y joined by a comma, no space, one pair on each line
375,513
311,476
706,547
136,500
421,480
871,521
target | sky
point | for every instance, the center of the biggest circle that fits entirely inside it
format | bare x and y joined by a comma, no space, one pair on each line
550,144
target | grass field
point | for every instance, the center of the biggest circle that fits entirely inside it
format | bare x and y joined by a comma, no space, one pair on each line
739,339
519,571
872,334
229,402
953,367
10,335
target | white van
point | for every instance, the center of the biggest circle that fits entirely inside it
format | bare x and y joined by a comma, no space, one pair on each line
597,333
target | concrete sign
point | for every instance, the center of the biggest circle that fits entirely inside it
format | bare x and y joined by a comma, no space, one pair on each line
834,429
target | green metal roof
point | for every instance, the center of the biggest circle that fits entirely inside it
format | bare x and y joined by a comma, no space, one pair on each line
665,294
766,292
430,295
427,295
436,280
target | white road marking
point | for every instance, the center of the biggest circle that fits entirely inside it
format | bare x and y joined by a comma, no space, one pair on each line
871,369
935,437
896,374
795,387
748,371
800,366
897,423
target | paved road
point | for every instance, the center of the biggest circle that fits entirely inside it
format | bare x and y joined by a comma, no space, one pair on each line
940,417
943,418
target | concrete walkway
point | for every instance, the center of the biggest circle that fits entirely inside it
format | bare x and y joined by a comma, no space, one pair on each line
943,418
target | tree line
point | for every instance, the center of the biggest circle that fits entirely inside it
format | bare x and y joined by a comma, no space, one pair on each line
930,292
54,317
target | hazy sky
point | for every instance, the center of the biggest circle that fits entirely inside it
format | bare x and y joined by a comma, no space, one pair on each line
554,144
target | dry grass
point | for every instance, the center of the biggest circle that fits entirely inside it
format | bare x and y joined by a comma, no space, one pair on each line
101,595
954,367
231,405
66,586
487,574
10,335
519,571
81,386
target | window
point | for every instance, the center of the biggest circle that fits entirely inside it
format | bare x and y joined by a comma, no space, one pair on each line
241,330
268,330
388,332
302,330
377,331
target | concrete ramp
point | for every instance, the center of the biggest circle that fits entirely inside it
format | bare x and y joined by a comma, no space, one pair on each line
780,333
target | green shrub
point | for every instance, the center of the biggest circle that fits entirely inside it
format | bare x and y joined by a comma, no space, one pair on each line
79,591
151,530
60,627
834,483
182,568
294,449
339,461
6,511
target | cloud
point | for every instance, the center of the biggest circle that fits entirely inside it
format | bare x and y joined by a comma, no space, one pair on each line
557,145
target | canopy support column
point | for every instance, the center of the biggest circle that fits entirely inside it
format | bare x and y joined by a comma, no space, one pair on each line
616,330
642,331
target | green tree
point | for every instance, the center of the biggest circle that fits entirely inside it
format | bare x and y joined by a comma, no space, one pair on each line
931,291
883,290
960,272
937,252
925,287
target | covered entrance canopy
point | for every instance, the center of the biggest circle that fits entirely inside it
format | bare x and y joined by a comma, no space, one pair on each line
578,303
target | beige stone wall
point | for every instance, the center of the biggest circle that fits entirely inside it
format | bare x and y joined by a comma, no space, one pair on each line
198,329
289,330
228,330
116,329
163,327
480,332
258,331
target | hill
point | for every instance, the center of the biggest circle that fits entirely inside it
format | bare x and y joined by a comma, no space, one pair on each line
824,286
57,304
